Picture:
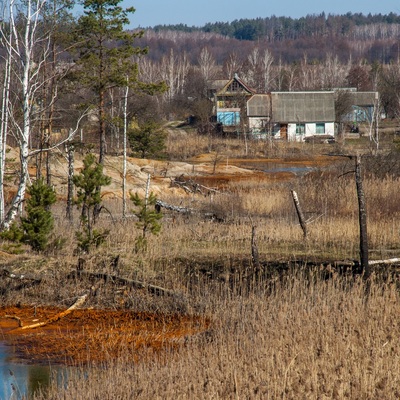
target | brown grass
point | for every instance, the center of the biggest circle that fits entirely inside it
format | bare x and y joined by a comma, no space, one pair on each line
291,334
306,338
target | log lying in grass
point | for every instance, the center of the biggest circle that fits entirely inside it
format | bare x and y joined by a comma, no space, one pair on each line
55,318
183,210
162,204
388,261
21,277
190,186
24,279
157,290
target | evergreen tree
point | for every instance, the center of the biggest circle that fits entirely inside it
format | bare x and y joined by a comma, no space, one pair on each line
147,140
39,222
88,182
148,218
106,52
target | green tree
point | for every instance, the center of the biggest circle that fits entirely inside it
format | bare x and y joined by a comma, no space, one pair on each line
88,182
106,53
147,140
39,221
148,218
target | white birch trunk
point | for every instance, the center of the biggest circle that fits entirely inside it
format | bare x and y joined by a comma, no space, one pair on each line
4,130
124,152
21,47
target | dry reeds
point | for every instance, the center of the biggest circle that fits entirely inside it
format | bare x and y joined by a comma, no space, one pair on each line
307,338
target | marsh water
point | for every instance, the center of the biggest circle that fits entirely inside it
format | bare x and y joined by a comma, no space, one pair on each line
21,380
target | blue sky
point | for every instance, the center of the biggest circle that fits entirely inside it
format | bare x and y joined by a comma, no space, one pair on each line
198,12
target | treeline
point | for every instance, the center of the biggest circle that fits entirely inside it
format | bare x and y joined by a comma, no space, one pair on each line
360,37
282,28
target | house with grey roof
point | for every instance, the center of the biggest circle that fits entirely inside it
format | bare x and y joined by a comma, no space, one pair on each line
292,116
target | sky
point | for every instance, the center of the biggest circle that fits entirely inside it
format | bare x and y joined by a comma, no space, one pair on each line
198,12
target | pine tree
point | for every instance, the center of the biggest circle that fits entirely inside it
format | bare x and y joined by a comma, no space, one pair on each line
39,221
88,182
106,53
147,140
148,218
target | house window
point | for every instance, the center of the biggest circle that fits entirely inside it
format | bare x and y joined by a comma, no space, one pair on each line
235,86
320,128
300,129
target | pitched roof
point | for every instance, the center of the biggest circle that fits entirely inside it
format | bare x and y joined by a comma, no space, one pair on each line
293,106
235,86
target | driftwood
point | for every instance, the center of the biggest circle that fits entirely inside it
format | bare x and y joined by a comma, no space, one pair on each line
188,211
162,204
21,277
388,261
57,317
157,290
25,280
191,186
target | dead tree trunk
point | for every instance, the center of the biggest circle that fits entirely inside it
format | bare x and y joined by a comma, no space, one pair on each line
362,217
300,214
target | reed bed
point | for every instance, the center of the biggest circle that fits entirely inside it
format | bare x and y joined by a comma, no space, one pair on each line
294,334
306,338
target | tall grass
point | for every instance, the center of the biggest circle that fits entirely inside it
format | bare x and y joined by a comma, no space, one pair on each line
305,338
295,335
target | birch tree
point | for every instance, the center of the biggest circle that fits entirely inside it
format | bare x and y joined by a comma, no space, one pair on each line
22,20
4,111
207,65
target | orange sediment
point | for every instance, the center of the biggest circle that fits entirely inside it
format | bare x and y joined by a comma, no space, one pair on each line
92,335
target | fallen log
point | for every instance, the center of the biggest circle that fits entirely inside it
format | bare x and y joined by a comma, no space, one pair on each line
25,280
57,317
163,204
183,210
190,186
157,290
21,277
388,261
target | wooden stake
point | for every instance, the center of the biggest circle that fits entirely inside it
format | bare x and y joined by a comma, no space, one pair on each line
300,214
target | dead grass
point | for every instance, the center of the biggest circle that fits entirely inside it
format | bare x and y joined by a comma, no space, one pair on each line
288,335
306,338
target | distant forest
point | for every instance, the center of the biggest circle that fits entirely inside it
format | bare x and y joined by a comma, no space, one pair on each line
362,37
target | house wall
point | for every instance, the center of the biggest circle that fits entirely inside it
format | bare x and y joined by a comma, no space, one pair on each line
259,125
310,130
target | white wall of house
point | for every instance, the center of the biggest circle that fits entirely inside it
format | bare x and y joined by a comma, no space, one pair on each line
298,132
257,124
295,132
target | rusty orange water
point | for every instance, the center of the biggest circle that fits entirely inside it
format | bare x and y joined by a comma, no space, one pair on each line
93,335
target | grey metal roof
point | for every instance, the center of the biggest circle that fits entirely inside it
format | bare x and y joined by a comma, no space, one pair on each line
363,98
303,106
259,105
